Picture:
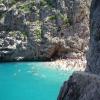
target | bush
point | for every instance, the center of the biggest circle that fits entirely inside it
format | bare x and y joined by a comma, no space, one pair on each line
25,7
66,20
24,33
53,17
37,32
43,3
47,2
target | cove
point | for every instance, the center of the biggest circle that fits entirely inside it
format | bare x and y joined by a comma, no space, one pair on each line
30,81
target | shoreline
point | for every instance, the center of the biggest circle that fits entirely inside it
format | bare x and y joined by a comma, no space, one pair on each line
64,64
68,64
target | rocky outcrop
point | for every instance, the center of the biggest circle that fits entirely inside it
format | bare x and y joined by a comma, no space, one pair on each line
93,56
81,86
43,29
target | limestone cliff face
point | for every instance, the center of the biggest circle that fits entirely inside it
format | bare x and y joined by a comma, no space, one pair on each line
43,29
93,56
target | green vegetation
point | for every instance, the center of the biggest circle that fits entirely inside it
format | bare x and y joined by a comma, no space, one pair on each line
53,17
64,19
10,2
38,33
43,3
26,7
47,2
13,33
38,22
24,33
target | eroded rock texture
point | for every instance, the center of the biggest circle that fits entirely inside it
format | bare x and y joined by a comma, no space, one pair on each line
44,29
93,57
81,86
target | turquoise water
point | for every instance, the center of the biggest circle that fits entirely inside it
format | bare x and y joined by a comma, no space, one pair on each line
30,81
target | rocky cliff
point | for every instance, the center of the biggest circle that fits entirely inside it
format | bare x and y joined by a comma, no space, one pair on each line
81,86
43,29
93,56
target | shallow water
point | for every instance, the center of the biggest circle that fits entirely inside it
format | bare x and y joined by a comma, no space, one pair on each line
30,81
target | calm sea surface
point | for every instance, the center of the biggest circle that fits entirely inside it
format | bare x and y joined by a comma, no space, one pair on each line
30,81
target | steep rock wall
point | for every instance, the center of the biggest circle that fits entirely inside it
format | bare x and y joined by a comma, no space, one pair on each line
82,85
33,30
93,56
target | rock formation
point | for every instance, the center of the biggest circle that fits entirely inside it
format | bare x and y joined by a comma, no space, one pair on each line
93,56
81,86
31,30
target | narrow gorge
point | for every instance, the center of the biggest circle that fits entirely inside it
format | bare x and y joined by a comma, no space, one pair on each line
86,85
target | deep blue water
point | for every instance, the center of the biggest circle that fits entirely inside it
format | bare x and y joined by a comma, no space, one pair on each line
30,81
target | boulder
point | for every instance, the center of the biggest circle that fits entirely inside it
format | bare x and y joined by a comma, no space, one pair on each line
81,86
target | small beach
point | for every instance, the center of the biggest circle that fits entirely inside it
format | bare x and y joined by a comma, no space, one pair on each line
68,64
